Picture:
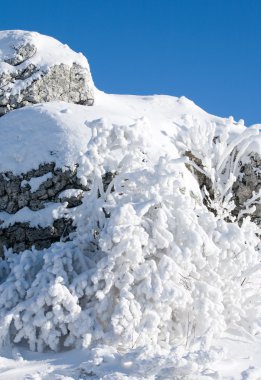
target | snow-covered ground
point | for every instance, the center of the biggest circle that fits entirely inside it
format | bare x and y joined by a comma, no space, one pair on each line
163,289
240,359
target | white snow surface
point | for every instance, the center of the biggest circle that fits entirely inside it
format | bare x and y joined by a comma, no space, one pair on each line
240,361
42,218
70,193
48,132
59,132
49,51
36,182
162,288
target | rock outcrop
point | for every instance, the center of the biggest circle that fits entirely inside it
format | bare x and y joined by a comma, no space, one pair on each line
34,206
40,149
36,68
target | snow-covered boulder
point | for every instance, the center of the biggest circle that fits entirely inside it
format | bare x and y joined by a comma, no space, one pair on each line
35,68
40,148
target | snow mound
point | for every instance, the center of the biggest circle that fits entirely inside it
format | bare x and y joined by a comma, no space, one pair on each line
43,133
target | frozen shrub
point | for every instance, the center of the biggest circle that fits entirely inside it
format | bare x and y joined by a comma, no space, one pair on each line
149,264
216,157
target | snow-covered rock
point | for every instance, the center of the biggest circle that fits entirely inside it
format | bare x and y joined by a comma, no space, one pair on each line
43,133
32,211
40,148
35,68
163,201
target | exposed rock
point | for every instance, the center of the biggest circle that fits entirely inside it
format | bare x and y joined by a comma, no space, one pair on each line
29,74
21,236
16,191
248,182
34,190
203,180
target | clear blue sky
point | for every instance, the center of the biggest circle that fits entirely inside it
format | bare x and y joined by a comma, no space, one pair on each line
207,50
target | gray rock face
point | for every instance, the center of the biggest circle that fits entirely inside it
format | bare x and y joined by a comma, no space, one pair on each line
28,75
16,191
21,236
35,190
202,179
246,184
39,69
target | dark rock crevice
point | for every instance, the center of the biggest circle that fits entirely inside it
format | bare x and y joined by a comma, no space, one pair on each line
21,236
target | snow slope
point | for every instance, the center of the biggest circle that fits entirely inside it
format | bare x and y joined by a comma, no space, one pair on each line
162,287
25,134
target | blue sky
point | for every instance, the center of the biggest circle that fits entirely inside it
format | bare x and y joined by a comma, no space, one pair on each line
207,50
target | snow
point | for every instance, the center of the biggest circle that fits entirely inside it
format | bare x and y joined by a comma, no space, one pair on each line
36,182
241,357
42,218
49,51
23,145
70,193
243,363
162,288
41,134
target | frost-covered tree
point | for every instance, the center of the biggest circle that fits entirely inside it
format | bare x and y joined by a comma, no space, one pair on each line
149,265
216,157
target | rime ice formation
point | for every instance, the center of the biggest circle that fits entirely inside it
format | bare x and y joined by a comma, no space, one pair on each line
137,222
35,68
